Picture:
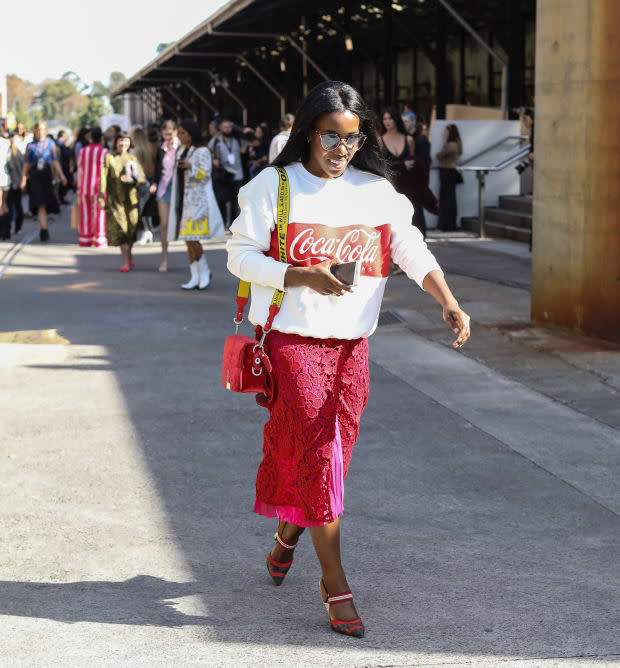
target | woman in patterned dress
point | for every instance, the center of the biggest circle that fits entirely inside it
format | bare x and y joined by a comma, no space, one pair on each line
342,208
194,213
118,193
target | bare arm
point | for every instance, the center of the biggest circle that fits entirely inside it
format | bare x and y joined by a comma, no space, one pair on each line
318,277
59,172
435,284
25,173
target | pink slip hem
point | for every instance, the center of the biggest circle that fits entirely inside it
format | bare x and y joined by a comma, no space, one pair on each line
295,515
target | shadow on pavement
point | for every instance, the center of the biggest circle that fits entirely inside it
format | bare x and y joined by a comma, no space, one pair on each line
142,600
453,543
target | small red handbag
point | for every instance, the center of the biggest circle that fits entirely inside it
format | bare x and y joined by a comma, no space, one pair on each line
246,366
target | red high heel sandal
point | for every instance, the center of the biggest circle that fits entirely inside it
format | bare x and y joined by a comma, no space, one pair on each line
348,627
282,566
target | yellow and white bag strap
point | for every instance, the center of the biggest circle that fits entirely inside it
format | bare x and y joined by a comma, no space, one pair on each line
243,291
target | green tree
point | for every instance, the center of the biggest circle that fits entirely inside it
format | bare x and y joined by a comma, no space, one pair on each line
56,96
22,114
98,89
162,46
92,113
75,80
20,91
116,79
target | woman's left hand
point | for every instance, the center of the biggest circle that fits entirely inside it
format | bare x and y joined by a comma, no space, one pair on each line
458,321
184,164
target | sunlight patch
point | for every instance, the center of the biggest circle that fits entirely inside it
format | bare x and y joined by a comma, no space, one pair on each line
34,336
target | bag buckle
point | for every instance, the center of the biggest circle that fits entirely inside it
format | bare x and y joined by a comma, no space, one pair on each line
237,323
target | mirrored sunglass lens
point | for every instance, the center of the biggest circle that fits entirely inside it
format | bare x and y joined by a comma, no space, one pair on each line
330,141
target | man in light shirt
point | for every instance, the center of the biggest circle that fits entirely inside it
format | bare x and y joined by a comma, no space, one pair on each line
279,141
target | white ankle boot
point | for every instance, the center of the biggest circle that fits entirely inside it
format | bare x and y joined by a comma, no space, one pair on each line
204,273
194,280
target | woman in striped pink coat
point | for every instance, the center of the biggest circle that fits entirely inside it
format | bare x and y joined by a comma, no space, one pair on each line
92,217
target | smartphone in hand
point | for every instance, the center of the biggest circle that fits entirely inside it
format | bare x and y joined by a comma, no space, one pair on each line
347,273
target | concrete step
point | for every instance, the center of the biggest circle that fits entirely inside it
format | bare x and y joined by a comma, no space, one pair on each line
508,217
523,203
498,230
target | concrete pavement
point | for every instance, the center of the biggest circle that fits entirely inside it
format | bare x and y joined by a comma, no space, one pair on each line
481,513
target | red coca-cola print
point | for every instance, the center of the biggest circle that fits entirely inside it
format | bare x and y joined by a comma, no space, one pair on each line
310,244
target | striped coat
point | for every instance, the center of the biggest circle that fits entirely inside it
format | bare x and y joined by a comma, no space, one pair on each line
90,162
92,230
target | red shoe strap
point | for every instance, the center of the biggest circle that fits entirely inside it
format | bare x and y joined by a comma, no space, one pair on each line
346,621
278,564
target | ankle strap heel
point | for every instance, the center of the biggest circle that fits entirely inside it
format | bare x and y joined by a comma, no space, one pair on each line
279,568
348,627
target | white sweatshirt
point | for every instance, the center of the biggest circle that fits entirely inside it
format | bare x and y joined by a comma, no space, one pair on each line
358,216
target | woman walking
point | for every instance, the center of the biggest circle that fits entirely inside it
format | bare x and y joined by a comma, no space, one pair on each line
342,208
118,193
162,187
15,167
40,164
91,227
447,158
194,213
408,170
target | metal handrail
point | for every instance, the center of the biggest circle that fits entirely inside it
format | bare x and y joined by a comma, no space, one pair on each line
492,146
482,171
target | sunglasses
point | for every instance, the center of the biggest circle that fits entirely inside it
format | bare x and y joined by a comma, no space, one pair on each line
332,140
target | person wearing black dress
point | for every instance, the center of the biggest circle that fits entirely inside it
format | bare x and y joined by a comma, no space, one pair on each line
40,163
447,158
408,170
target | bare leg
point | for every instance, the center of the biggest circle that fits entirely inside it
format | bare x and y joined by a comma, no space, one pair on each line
326,541
164,210
290,534
125,255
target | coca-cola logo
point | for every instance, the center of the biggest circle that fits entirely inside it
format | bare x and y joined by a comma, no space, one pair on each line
311,244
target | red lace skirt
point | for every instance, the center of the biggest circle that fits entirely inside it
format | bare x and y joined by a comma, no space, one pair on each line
322,389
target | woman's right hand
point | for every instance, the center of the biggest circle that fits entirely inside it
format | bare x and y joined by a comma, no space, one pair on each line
23,185
153,189
318,277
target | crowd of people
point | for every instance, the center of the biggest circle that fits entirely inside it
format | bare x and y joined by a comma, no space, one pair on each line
171,177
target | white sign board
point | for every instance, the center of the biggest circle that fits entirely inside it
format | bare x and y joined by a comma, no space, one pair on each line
476,137
116,119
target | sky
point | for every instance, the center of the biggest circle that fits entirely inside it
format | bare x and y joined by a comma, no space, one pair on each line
96,38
